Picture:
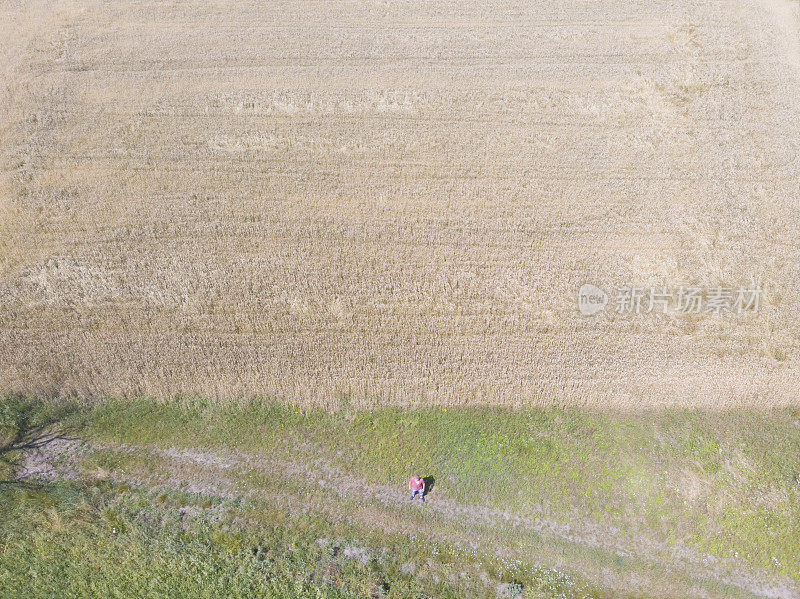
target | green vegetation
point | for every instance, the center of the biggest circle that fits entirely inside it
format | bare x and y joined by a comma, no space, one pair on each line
727,481
104,540
177,493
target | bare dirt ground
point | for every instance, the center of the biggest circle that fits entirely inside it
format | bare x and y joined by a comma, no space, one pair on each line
317,485
397,200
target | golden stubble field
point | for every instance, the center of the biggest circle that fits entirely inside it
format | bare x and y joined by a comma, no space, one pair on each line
397,201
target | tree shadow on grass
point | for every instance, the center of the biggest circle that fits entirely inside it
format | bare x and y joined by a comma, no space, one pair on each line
26,426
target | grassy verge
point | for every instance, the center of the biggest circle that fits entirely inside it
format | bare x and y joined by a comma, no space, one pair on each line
725,482
70,540
643,488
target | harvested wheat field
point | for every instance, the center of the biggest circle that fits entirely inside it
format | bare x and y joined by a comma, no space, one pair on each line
397,201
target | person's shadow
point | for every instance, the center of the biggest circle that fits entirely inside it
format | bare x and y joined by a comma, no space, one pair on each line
429,483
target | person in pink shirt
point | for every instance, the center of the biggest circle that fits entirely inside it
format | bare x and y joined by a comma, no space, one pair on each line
416,484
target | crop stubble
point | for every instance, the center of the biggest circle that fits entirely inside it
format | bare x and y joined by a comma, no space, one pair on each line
397,201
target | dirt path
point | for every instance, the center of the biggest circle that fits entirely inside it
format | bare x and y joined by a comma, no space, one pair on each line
319,486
